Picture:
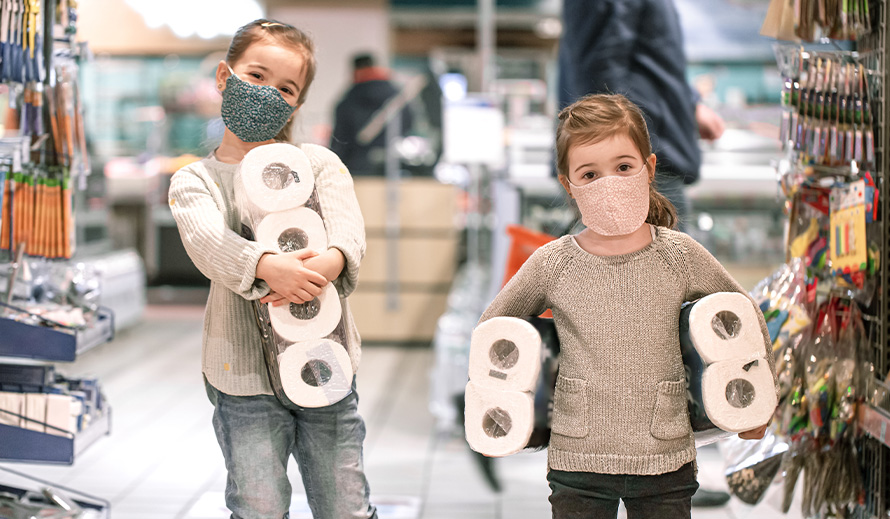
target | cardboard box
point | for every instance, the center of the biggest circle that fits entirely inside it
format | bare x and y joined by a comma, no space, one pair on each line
424,203
35,409
413,321
14,403
420,261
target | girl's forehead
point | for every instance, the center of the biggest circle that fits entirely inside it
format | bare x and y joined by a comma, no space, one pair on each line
284,60
605,149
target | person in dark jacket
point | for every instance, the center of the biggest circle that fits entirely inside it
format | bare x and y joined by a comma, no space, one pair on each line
371,89
635,48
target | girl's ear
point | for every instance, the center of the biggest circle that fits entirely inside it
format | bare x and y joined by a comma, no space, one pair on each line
650,162
222,74
564,180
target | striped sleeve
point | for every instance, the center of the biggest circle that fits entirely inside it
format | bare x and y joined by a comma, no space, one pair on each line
342,214
218,251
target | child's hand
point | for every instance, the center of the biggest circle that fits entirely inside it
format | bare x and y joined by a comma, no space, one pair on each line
329,263
289,278
275,298
754,434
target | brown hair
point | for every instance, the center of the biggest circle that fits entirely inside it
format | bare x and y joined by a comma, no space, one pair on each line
596,117
281,33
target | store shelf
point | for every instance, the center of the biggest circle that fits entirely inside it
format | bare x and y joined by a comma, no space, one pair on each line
58,344
23,445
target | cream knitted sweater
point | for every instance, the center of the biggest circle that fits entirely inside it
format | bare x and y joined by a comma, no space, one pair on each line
620,403
202,200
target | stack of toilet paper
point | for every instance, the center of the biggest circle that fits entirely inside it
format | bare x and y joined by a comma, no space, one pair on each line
305,354
731,387
505,361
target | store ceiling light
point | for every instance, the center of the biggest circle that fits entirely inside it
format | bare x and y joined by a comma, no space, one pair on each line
203,18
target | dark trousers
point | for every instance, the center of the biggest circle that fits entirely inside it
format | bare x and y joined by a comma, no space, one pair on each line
588,495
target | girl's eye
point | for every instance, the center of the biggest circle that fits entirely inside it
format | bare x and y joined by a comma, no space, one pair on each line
286,90
624,168
590,175
254,74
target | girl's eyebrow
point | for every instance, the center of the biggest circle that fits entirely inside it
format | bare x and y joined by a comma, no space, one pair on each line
616,158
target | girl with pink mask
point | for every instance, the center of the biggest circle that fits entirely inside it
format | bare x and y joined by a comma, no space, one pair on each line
620,430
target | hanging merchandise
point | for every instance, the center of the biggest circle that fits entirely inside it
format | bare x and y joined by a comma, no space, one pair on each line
827,117
826,347
828,177
810,20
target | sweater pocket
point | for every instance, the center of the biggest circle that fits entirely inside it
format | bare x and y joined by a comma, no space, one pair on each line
570,408
670,420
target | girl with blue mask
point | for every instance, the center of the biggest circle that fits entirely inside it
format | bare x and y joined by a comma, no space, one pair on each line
264,81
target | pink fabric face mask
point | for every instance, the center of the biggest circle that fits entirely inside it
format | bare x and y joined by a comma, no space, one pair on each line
615,205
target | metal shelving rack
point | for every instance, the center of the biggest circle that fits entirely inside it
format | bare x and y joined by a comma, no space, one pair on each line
874,450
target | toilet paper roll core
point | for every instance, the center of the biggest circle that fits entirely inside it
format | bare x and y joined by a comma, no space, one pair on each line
276,177
310,320
505,353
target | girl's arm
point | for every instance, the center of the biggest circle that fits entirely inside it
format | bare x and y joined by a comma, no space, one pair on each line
705,275
342,217
525,294
218,252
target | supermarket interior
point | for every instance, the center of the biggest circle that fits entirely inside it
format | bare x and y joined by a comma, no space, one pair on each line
444,259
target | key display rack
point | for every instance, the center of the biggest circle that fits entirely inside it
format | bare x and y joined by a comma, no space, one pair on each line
49,311
833,360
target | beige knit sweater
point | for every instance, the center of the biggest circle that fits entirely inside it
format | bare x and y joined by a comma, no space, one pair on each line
620,404
202,199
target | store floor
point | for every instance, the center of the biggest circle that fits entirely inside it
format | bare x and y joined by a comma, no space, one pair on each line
162,460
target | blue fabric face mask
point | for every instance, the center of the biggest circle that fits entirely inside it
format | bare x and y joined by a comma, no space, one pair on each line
254,113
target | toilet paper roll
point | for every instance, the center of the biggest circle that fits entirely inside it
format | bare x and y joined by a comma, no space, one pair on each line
276,177
309,321
315,373
505,353
739,395
498,423
722,326
294,229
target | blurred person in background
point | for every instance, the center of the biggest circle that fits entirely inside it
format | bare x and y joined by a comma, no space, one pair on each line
370,91
635,48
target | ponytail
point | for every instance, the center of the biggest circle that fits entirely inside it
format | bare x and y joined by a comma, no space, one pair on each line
661,211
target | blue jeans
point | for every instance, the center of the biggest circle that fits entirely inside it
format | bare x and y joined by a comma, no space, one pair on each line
257,435
583,495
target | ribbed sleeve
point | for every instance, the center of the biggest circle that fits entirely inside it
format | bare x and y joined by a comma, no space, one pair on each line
524,295
342,215
219,253
705,275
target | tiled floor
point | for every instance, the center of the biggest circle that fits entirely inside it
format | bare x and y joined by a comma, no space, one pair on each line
162,460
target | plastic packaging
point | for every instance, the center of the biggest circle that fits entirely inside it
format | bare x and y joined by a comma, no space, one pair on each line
304,345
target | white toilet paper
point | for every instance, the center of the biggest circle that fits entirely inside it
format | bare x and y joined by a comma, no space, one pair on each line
498,423
505,353
311,320
276,177
739,395
315,373
292,230
725,326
